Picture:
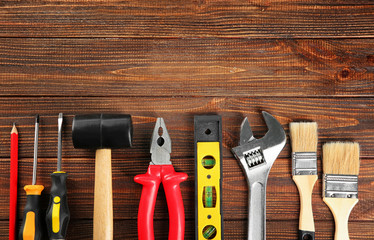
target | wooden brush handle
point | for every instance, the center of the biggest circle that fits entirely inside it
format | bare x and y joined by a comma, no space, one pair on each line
103,202
305,184
341,209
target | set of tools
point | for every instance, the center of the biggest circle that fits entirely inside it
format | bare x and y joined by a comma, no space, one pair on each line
341,163
104,132
57,216
100,131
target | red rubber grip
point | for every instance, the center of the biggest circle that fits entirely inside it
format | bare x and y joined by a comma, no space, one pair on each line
151,181
171,181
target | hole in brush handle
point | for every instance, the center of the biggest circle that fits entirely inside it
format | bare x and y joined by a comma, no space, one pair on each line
306,235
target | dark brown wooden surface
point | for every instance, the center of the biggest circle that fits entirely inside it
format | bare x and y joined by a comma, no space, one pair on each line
296,59
190,18
196,67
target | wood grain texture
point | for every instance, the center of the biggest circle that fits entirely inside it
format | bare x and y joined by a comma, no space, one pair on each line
103,196
305,185
337,118
282,195
234,230
190,18
186,67
341,209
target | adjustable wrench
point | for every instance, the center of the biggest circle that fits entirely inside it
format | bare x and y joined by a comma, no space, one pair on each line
256,157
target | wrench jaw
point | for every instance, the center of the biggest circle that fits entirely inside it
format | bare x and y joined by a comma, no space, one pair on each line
261,151
275,138
246,133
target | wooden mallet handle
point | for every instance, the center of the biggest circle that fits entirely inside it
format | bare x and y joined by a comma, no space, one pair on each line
103,202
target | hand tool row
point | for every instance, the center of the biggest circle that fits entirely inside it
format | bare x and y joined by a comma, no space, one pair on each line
256,157
57,216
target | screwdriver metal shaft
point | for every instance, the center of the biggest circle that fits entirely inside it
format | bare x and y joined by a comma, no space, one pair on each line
35,149
59,143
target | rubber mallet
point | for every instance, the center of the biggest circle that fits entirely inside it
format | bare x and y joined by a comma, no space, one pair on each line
102,132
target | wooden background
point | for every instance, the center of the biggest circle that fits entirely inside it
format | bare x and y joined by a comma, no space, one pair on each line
296,59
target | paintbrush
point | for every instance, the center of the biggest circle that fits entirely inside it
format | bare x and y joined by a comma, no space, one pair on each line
304,140
341,164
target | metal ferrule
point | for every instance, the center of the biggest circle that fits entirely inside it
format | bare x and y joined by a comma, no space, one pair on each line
304,163
340,186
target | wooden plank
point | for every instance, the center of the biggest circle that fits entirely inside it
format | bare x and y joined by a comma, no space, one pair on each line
338,119
234,230
186,67
282,195
170,19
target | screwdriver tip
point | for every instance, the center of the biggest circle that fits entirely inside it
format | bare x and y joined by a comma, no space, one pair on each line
37,118
60,115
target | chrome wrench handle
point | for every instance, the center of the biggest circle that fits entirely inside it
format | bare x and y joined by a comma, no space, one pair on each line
257,181
256,177
257,211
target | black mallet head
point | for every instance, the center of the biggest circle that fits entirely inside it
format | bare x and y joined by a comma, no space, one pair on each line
97,131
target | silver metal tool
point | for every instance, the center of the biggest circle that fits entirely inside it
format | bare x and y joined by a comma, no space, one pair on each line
340,186
59,142
35,149
304,163
256,157
160,144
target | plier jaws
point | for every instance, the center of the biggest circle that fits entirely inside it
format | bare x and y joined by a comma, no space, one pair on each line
160,144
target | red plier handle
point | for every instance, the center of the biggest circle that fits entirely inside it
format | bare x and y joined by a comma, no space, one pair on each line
151,182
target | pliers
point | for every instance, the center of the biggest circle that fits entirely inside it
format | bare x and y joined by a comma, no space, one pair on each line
161,170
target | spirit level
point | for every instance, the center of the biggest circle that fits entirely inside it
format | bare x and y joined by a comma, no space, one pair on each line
208,175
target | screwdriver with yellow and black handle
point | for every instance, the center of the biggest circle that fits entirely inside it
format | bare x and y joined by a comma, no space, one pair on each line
58,215
31,228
